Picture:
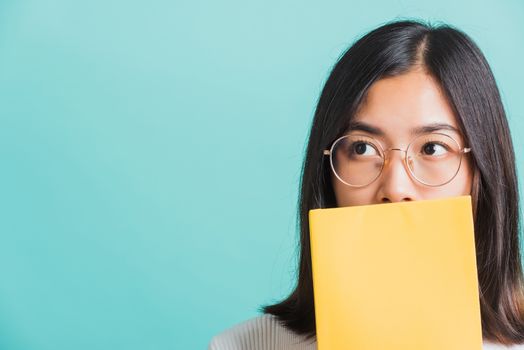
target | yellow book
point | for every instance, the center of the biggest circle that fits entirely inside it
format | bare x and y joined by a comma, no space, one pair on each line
396,276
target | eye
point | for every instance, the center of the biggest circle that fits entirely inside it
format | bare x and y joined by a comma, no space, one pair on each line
434,149
361,148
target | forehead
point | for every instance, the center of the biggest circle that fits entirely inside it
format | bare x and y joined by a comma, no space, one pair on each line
399,104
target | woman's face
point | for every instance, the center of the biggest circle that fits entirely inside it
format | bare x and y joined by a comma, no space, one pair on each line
395,106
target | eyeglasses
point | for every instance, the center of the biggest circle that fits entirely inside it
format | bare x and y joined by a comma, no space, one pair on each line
433,159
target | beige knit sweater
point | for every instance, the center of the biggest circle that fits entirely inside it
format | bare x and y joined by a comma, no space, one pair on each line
265,333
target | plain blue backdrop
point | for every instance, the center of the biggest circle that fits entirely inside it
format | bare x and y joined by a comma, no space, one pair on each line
151,152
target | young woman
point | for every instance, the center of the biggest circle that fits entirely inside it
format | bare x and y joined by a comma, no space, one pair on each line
408,91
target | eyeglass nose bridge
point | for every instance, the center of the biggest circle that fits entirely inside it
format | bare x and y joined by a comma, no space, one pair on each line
405,159
395,149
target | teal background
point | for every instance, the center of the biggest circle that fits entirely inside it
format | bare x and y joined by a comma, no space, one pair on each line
151,151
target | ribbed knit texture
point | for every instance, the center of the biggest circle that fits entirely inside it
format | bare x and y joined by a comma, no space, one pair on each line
265,333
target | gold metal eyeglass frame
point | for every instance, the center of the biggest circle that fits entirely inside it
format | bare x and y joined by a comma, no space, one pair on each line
329,152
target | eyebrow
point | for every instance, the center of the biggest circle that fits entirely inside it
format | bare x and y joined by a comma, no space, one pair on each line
414,131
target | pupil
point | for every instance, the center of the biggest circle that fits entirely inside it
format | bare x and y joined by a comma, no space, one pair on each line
429,148
360,148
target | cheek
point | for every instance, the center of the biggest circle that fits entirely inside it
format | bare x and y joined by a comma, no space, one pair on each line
464,178
349,196
459,186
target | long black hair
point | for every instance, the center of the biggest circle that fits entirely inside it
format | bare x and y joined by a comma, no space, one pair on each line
462,71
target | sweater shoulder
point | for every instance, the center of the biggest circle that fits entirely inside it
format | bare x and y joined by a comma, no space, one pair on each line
265,332
257,333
